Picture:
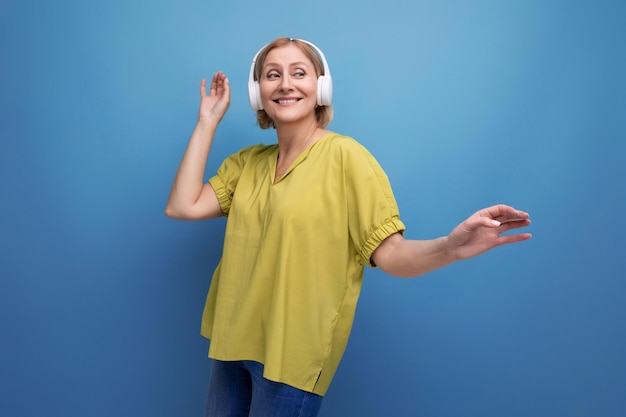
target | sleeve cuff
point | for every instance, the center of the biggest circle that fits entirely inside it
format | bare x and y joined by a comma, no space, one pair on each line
220,192
375,238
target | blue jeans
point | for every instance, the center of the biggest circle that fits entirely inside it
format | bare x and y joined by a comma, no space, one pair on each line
238,389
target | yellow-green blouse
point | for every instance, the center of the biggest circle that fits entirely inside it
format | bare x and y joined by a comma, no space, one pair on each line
285,291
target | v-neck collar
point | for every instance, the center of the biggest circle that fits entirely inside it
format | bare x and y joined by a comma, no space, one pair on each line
273,160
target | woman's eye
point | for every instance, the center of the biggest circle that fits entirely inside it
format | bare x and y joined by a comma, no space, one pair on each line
272,75
299,74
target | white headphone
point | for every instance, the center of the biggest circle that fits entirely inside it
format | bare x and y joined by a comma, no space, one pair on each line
324,82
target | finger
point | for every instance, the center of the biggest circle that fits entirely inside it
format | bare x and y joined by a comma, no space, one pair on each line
226,85
214,84
203,87
504,240
515,224
483,221
225,91
222,83
500,226
504,213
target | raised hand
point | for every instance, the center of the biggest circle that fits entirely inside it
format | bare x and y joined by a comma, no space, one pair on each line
482,231
215,104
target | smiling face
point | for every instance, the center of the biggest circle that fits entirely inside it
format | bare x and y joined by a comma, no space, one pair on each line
288,86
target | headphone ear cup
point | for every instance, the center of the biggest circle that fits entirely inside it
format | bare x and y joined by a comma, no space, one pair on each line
324,90
254,94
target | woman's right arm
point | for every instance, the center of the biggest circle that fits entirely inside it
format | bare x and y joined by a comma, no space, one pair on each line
190,198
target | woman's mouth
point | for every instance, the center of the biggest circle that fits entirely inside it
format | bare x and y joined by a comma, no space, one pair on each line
286,101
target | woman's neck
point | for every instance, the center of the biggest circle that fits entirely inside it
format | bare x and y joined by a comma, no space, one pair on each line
292,140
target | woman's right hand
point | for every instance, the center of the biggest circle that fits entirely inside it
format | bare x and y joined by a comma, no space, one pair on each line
191,198
214,105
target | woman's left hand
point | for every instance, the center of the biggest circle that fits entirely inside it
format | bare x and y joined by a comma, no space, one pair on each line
483,230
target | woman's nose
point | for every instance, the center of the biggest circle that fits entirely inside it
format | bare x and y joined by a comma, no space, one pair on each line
285,82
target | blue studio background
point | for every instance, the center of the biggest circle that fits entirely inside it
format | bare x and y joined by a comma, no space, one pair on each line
464,103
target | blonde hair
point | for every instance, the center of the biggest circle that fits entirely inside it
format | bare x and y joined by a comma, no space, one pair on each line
323,114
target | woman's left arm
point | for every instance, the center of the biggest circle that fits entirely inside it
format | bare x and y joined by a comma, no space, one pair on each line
479,233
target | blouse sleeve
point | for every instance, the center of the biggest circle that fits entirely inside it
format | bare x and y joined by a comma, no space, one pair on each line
227,177
373,213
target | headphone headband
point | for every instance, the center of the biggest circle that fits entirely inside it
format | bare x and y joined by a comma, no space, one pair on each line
324,82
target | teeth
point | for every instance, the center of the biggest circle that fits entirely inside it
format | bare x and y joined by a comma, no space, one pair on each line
291,101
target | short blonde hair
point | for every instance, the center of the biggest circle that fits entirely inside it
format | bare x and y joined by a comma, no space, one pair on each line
323,114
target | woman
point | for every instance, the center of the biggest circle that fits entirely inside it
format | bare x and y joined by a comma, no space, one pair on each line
304,217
